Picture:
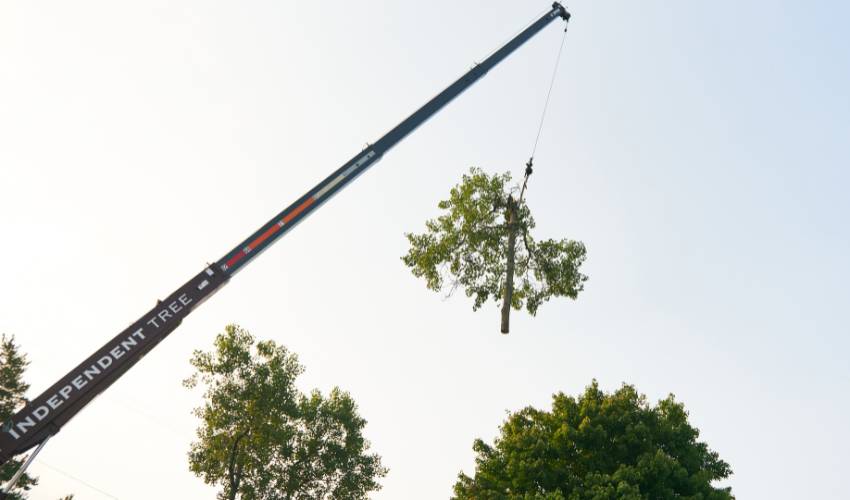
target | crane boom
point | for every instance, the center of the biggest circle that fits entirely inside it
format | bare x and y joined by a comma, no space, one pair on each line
45,415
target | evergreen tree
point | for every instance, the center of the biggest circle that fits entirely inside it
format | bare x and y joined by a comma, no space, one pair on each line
13,363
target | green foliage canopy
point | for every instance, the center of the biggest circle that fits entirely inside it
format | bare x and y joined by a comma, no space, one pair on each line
597,447
13,364
260,438
470,246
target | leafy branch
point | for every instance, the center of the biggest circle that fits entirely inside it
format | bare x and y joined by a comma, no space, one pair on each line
473,245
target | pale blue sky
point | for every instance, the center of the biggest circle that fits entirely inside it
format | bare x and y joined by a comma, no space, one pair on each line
700,151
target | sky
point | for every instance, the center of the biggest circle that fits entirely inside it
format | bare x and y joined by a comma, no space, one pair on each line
698,149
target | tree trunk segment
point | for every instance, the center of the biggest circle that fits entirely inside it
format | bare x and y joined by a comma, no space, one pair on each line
234,472
507,299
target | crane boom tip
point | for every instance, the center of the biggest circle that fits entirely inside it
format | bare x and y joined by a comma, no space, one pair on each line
562,11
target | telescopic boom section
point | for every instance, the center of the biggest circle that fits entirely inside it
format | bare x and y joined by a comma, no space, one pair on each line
46,414
302,207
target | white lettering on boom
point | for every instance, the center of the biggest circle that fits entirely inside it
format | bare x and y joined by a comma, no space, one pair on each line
25,424
65,393
104,362
91,372
129,343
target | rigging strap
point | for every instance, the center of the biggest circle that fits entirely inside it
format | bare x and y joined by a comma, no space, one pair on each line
529,166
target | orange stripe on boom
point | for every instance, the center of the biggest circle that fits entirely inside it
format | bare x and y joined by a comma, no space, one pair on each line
300,208
263,237
270,231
